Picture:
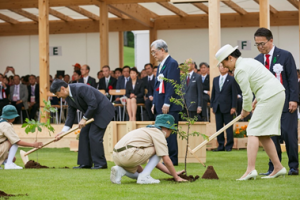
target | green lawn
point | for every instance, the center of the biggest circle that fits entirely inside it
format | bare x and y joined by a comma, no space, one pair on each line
129,56
95,184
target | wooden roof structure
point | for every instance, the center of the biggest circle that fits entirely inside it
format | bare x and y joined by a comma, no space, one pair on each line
44,17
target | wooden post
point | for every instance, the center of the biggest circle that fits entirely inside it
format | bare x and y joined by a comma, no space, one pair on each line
153,37
121,49
104,54
264,14
214,26
44,51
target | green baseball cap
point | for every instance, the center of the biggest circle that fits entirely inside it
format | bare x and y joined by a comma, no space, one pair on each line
9,112
165,120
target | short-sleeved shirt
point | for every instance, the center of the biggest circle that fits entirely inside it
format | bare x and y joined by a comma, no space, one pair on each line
7,133
146,137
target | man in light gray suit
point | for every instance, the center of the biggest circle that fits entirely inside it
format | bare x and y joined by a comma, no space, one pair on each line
193,90
93,104
18,94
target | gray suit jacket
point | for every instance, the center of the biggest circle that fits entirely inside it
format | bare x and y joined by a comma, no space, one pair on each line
194,92
23,94
91,102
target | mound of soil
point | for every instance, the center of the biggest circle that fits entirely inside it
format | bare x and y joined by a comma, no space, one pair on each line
6,196
210,173
31,164
189,178
3,194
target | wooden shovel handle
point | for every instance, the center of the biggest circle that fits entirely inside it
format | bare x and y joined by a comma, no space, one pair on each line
216,134
63,135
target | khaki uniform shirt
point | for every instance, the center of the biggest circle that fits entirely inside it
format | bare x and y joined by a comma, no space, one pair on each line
7,133
146,137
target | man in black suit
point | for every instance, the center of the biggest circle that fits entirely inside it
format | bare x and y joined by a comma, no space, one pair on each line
193,90
86,79
282,64
149,81
93,104
122,80
204,69
223,102
107,82
4,92
33,96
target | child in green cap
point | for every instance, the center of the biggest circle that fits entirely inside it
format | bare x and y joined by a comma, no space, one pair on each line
9,140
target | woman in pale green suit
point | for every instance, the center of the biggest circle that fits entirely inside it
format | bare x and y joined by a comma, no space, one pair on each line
253,77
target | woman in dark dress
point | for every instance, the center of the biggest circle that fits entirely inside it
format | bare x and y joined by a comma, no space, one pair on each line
134,93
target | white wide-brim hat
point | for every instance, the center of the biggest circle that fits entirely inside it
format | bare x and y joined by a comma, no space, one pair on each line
224,52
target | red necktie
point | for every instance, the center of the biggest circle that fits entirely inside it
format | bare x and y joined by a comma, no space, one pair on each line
267,63
188,80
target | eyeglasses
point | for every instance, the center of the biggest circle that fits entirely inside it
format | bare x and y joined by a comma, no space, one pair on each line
154,52
261,44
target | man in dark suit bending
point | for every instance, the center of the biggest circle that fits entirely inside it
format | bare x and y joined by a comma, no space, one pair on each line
93,104
163,91
282,64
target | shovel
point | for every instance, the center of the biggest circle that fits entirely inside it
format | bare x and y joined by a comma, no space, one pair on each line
193,151
24,155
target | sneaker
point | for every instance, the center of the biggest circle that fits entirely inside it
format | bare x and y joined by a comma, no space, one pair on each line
12,166
146,180
116,174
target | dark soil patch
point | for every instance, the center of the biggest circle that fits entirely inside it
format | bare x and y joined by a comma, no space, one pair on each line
210,173
31,164
189,178
6,196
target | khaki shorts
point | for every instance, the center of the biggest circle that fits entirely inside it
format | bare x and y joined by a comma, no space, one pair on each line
4,148
131,158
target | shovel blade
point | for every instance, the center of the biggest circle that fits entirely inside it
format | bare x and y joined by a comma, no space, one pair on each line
25,159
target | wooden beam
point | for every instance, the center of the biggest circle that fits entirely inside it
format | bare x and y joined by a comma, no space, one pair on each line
84,12
136,12
295,3
117,13
173,9
103,26
26,14
272,9
44,51
59,15
228,20
19,4
201,6
235,7
152,38
264,14
214,32
121,49
8,19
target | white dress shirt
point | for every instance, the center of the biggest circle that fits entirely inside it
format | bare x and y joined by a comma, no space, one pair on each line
85,79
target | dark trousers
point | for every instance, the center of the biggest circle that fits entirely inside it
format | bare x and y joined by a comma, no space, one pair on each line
149,114
221,119
289,134
205,111
3,102
33,111
19,109
91,150
172,140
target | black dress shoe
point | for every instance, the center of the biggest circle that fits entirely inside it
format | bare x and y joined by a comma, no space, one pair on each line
294,171
82,167
228,149
218,150
99,167
266,174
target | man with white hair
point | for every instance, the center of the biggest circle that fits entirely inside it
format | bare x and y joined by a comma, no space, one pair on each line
163,90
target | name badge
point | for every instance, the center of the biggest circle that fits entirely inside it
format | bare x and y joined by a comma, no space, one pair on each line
15,97
32,99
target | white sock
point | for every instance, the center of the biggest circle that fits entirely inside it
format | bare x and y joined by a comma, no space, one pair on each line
131,175
153,161
11,154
